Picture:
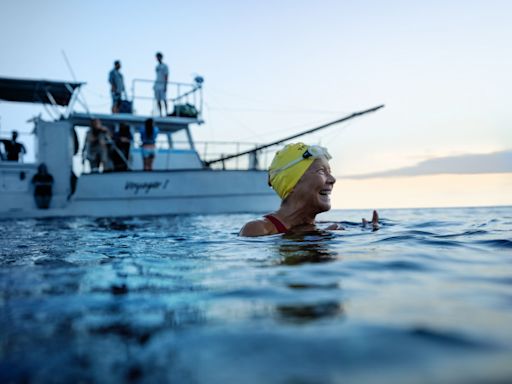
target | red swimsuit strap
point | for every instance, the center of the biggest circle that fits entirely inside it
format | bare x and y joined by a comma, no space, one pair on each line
281,228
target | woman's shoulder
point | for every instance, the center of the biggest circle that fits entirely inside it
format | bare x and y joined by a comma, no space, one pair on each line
260,227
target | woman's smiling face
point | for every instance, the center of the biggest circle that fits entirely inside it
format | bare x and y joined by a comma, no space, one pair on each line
315,186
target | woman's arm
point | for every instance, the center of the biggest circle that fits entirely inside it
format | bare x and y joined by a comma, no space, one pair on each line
374,222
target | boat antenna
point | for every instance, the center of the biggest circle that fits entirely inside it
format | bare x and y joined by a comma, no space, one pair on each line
259,148
69,65
80,97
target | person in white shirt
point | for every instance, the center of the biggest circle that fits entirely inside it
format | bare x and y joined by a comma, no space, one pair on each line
160,87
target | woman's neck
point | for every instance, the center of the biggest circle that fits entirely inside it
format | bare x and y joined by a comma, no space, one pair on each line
293,215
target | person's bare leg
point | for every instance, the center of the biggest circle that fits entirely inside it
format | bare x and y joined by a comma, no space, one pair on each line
165,104
159,107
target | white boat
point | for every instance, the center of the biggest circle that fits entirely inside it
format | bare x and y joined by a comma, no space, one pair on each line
179,184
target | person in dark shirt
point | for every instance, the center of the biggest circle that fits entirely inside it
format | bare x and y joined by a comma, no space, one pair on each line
43,184
115,78
121,151
13,148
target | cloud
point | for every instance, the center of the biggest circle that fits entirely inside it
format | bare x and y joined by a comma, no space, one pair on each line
496,162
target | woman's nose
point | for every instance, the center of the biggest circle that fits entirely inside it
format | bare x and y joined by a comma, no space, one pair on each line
331,179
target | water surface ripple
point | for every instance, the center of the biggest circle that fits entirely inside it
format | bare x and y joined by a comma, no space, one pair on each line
426,299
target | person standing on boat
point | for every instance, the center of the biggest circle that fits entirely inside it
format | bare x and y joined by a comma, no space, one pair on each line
115,78
300,174
148,135
96,147
160,87
120,154
13,148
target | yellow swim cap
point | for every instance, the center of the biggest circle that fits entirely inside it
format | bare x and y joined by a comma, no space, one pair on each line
287,168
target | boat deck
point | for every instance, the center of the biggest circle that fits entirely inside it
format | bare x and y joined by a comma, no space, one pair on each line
165,124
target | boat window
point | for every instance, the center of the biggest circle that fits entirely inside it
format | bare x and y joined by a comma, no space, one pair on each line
180,140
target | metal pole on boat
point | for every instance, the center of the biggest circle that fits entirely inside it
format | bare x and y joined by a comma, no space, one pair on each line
259,148
83,102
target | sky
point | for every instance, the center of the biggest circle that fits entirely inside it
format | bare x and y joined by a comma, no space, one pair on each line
273,68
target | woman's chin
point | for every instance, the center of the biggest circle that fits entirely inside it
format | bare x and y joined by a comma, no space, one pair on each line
323,206
324,203
326,208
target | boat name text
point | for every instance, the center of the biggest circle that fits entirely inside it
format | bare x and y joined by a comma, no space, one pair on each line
146,186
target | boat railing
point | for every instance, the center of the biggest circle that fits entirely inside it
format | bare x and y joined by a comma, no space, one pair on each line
178,95
207,150
212,150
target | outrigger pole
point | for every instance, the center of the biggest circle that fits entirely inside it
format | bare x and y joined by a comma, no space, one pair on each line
254,150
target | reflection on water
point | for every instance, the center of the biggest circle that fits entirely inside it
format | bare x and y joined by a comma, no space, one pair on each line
304,313
312,246
306,247
183,299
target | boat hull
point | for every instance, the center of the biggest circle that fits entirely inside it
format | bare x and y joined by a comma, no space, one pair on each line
203,191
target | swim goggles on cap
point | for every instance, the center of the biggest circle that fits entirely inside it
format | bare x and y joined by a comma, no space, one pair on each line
314,151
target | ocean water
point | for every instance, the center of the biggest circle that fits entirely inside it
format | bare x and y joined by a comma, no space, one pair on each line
425,299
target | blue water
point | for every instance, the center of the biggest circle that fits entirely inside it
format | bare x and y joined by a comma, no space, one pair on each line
426,299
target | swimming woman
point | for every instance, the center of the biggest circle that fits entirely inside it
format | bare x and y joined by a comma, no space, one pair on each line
301,176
